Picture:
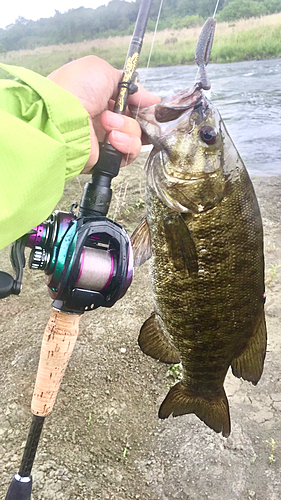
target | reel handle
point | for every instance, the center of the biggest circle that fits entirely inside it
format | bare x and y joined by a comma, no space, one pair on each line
58,342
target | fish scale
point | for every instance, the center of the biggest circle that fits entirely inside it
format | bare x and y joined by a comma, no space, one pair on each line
204,229
217,262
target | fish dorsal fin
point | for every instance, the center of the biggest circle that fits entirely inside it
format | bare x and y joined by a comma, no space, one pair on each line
181,246
141,243
249,365
154,342
213,410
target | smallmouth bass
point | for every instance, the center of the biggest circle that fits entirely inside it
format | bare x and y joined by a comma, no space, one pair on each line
203,231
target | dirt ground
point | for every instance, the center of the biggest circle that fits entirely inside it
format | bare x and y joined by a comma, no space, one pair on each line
103,439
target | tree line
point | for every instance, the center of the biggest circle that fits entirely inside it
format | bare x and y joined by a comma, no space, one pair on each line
118,18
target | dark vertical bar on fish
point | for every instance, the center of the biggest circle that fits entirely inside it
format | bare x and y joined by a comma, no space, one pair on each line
203,50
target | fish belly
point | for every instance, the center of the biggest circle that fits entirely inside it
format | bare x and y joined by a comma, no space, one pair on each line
212,310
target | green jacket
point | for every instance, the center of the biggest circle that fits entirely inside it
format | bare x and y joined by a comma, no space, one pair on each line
44,141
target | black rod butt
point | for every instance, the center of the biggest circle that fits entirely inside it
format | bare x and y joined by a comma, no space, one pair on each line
20,488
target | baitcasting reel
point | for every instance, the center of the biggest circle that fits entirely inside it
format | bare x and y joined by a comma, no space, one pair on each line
87,258
88,262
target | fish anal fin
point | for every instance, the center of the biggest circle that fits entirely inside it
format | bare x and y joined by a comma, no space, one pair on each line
249,365
141,243
212,410
154,342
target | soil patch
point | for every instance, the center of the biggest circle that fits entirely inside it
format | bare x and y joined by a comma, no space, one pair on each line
103,439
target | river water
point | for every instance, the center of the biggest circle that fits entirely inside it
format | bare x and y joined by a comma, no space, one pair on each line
248,97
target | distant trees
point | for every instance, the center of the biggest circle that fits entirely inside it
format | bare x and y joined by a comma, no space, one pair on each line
237,9
118,18
204,8
242,8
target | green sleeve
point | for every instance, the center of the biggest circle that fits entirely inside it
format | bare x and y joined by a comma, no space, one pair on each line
44,141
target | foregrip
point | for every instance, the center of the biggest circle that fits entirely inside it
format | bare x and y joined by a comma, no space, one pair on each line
58,342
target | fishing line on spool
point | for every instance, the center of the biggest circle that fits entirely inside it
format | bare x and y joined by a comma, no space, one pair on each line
96,269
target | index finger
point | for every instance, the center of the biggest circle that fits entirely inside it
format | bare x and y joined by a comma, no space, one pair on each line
143,98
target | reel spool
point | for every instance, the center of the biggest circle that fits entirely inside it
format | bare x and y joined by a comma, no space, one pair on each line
88,262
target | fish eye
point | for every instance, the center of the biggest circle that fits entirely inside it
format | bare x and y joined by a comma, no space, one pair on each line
208,135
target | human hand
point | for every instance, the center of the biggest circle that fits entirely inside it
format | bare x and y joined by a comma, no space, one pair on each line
95,83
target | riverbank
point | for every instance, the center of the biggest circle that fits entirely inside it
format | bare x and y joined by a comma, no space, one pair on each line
104,441
246,39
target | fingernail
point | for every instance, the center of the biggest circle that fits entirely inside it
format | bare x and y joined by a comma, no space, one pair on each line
113,120
120,137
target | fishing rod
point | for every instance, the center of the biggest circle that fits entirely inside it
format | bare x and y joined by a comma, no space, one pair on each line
88,261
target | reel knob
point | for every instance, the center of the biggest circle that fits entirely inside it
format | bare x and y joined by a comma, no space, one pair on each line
6,285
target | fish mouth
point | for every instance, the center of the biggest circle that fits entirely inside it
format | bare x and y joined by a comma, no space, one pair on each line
172,108
172,114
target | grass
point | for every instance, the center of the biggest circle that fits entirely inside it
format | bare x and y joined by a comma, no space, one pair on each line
273,270
272,444
174,374
271,247
256,43
255,38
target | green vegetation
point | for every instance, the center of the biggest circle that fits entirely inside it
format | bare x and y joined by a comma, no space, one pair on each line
272,444
118,18
180,25
238,9
273,270
271,247
174,374
246,39
124,454
256,43
272,274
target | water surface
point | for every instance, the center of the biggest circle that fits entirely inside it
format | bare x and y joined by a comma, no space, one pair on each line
248,96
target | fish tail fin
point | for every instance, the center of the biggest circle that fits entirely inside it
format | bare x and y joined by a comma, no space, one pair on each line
249,365
214,411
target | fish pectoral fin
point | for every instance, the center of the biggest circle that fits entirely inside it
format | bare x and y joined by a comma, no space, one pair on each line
141,243
249,365
154,342
181,246
213,411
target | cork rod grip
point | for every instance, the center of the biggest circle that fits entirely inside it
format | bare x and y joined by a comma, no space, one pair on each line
58,342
